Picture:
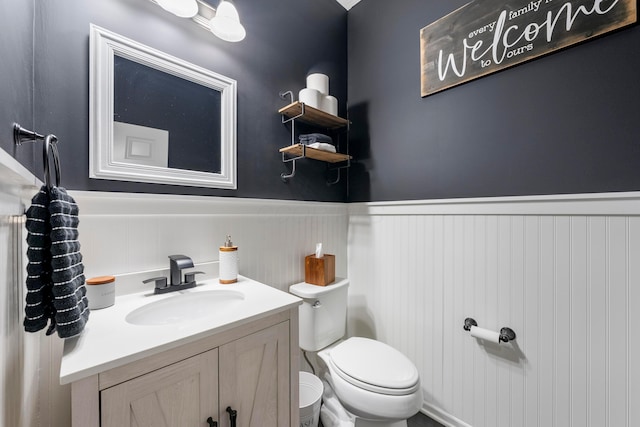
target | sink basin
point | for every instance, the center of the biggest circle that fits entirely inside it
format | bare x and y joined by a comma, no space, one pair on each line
186,307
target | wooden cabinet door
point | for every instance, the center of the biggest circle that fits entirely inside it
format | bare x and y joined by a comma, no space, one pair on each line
184,394
254,379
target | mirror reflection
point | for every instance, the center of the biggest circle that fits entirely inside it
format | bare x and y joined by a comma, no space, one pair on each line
161,120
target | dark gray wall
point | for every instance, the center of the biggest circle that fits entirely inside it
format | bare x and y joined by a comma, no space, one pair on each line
16,75
563,123
286,39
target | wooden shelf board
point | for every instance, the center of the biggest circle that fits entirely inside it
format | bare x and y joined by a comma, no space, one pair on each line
312,153
313,116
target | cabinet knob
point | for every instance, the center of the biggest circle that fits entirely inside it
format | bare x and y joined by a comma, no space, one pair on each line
233,414
211,422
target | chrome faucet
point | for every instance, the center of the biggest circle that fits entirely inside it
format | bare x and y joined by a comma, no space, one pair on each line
177,263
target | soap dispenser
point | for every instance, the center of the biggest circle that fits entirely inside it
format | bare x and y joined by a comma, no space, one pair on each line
228,258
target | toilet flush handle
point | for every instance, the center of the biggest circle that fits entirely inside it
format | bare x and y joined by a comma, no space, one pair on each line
316,304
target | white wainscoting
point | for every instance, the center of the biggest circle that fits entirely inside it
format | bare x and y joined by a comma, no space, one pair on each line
562,271
131,233
20,395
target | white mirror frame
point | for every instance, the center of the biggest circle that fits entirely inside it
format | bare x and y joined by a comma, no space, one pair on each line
104,45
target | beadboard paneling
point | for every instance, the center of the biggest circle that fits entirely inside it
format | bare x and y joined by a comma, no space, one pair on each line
564,281
20,396
128,233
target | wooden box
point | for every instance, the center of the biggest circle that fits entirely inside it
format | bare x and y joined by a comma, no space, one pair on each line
320,271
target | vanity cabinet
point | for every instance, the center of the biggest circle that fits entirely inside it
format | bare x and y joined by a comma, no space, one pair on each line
251,368
182,394
254,378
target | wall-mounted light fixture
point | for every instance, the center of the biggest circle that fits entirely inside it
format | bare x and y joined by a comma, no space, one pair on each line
226,24
224,21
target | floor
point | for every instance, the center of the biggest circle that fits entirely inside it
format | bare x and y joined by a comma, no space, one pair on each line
420,420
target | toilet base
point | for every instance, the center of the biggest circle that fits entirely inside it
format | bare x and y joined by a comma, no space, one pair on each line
366,423
336,416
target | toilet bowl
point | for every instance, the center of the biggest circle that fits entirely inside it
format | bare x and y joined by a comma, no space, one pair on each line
375,384
373,381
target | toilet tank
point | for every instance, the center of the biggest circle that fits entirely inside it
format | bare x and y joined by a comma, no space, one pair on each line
323,313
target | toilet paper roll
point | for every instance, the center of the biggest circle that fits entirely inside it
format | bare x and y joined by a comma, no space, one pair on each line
319,82
485,334
330,105
310,97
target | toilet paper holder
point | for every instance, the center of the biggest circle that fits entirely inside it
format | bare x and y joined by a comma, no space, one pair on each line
506,334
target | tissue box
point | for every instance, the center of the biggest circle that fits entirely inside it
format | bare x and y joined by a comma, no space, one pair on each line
320,271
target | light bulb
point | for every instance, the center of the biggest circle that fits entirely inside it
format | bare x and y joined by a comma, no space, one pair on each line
226,24
180,8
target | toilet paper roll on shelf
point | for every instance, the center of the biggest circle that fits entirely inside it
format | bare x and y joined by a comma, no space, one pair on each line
505,334
319,82
311,97
330,105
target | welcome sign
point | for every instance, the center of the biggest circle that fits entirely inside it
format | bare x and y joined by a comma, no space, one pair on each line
486,36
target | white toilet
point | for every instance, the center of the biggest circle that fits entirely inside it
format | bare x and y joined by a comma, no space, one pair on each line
375,384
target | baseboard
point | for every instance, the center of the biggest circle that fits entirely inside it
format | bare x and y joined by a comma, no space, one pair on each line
442,417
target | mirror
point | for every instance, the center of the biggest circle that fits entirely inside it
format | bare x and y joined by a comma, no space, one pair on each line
156,118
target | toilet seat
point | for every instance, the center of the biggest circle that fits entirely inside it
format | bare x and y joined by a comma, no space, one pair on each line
374,366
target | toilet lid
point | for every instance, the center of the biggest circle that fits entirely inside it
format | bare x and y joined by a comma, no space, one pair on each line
376,364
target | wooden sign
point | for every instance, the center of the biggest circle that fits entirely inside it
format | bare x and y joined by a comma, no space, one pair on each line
486,36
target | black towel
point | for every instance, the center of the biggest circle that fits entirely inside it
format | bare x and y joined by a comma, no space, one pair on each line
67,272
39,300
311,138
55,274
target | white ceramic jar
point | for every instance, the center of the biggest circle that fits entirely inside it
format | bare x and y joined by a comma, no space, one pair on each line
101,292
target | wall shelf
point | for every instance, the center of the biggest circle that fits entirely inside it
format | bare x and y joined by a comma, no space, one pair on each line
302,151
299,111
309,115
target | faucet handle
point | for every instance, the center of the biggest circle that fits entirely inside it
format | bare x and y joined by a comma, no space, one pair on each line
161,282
191,276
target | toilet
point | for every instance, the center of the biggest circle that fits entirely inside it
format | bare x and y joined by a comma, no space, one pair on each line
375,384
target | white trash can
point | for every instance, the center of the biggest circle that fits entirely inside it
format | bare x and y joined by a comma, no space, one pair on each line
310,399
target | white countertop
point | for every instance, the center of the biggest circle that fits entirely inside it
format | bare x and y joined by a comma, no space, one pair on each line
108,341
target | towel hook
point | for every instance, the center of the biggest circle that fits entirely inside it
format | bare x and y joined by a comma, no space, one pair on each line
50,145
